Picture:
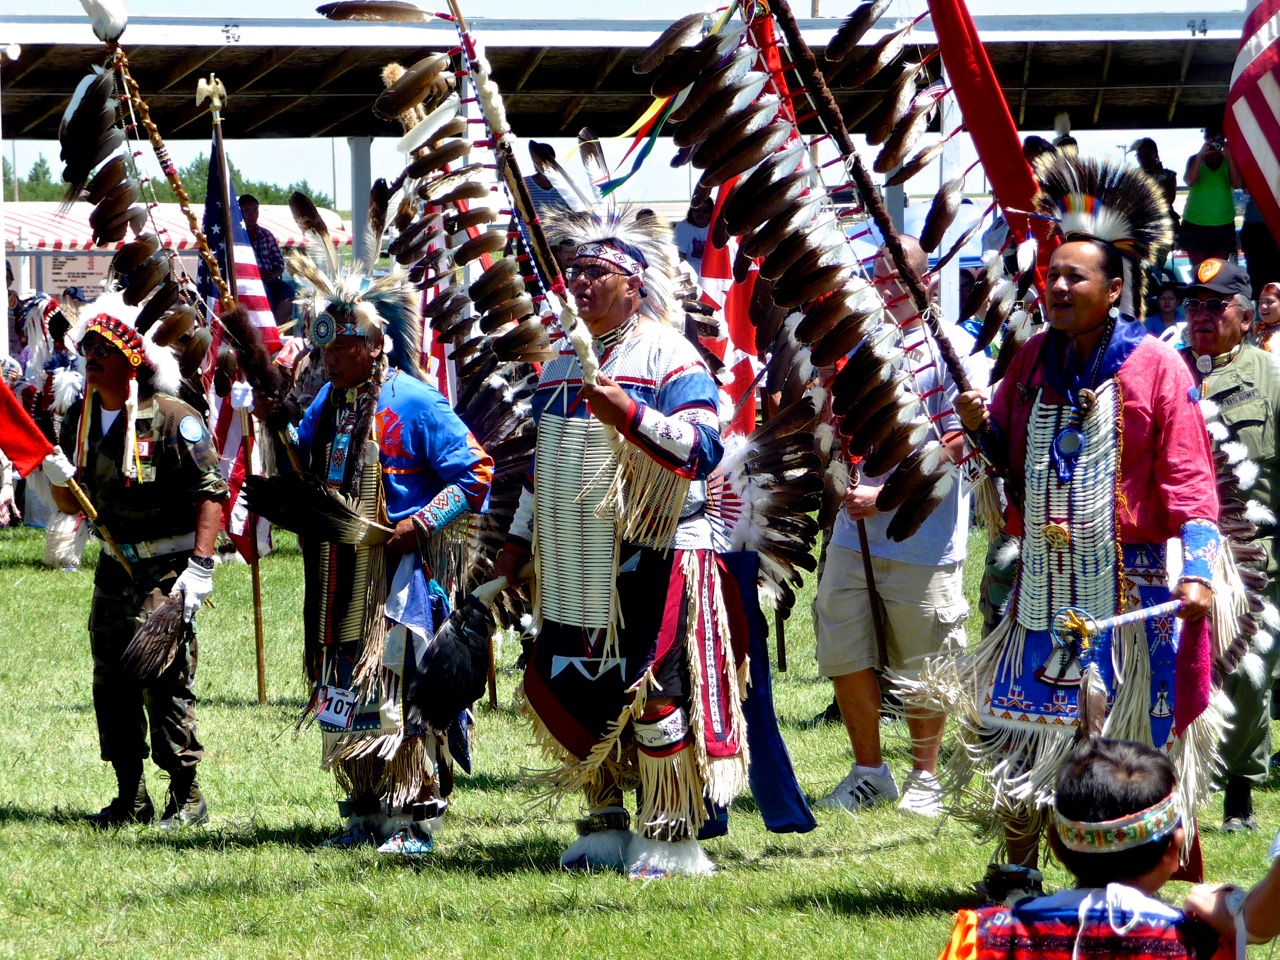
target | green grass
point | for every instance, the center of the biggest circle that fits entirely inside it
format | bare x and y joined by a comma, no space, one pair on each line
255,883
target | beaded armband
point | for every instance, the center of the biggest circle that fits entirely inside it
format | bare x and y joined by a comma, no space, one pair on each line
1200,544
445,507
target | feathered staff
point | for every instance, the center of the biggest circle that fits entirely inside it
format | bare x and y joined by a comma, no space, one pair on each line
495,118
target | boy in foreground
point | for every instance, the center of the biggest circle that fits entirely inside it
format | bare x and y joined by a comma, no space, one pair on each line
1117,829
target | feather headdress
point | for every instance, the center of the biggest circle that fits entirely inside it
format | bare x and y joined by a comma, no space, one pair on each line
640,235
115,321
359,305
1120,206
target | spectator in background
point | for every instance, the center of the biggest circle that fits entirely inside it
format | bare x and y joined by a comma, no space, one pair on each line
1259,248
1209,216
691,233
270,261
920,583
1268,320
1147,154
1167,319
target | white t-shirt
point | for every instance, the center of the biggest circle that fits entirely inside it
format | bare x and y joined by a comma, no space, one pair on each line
942,538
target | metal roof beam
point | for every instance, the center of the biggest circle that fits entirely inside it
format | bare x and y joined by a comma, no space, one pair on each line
1026,76
186,66
1182,78
530,65
343,64
1102,83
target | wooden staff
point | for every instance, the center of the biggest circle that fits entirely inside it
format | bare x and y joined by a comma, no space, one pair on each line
121,64
91,512
216,93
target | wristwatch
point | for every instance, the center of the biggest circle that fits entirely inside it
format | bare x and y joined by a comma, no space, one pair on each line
205,562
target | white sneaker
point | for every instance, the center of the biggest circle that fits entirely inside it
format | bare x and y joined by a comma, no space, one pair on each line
861,789
921,794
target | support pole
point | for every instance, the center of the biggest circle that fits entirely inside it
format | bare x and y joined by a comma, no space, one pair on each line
361,180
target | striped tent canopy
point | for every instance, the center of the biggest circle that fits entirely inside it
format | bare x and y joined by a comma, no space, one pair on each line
42,227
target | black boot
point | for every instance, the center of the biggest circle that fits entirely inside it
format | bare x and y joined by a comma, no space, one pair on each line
131,805
1237,807
186,806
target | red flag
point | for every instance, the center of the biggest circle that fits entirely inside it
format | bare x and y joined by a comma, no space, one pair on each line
20,438
1253,108
987,117
738,349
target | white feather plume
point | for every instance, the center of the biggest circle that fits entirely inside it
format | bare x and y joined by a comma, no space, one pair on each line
68,384
1027,251
1217,430
1263,641
1246,472
1257,513
1235,451
1252,666
1008,552
1208,408
1270,615
108,18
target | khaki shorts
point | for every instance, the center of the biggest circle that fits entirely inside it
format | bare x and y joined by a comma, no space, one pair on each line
923,610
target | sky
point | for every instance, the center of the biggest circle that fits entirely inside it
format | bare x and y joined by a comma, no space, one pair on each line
325,163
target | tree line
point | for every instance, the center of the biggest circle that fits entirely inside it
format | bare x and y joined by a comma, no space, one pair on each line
39,184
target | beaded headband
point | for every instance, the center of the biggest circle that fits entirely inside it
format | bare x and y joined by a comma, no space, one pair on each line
1124,833
610,253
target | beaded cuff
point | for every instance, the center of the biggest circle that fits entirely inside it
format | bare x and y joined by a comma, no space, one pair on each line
1200,544
445,507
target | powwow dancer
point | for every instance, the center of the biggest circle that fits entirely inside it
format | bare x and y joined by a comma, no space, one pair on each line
380,436
1106,458
634,678
146,461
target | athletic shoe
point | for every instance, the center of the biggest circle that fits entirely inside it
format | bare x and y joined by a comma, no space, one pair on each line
354,837
921,794
861,789
408,843
1247,824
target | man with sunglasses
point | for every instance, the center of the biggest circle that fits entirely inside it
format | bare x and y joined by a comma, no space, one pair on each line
148,464
626,684
1239,389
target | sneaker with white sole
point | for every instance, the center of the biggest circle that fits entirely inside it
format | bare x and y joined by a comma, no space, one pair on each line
862,789
921,794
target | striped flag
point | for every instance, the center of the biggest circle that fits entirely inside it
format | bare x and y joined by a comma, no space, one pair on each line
235,450
1252,122
250,292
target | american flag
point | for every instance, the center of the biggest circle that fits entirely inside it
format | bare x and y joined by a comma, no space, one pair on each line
233,446
1252,122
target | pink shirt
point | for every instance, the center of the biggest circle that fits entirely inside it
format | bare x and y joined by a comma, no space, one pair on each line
1166,463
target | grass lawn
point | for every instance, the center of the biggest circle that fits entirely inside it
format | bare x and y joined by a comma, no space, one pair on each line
256,883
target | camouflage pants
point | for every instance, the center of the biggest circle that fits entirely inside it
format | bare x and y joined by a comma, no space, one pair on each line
997,582
119,606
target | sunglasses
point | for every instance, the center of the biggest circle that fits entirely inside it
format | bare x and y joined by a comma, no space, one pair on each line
1213,306
590,274
98,350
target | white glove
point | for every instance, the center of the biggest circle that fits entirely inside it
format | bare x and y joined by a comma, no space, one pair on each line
195,583
58,468
241,396
1274,852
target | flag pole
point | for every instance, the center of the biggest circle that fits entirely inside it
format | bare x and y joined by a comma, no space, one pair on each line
217,96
